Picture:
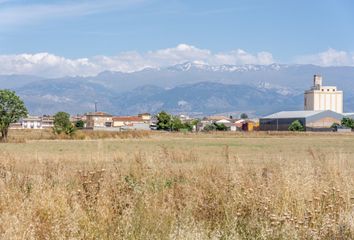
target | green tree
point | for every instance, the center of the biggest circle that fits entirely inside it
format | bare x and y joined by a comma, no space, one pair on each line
79,124
176,123
189,125
220,127
163,121
62,124
244,116
210,127
12,108
347,122
296,126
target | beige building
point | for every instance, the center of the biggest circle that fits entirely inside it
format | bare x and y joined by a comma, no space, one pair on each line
320,98
127,121
98,120
145,116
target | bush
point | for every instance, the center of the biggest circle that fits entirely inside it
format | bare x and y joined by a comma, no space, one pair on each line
62,124
79,124
296,126
348,122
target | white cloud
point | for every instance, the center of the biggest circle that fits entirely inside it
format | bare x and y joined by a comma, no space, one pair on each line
49,65
331,57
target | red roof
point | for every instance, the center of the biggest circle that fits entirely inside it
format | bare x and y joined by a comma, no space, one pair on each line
127,119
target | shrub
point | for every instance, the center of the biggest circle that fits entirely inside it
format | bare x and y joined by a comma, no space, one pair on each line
296,126
62,124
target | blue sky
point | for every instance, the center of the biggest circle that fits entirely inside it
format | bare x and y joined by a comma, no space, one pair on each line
291,31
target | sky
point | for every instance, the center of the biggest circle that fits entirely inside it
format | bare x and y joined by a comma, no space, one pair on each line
83,37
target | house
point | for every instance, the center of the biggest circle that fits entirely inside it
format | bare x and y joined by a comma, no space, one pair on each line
145,116
184,118
245,125
98,120
216,118
311,120
223,121
47,121
140,122
127,121
31,122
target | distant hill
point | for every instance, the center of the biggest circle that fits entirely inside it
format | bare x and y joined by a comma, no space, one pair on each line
189,88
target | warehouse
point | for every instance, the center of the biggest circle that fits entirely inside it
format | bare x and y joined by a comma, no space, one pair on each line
311,120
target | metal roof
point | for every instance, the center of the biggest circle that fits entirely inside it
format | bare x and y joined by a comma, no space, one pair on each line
349,114
293,114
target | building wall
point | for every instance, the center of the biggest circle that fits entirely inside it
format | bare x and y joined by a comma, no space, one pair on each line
98,121
325,122
31,123
327,98
281,124
127,123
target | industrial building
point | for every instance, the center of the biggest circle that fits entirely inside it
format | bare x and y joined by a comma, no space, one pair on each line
311,120
323,97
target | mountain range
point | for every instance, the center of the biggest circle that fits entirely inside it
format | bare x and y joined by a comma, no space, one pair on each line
188,88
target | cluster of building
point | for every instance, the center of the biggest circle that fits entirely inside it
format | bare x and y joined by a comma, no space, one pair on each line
230,123
323,106
93,121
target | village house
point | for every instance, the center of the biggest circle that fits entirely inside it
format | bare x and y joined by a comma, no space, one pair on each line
145,116
140,122
98,120
47,121
34,122
31,122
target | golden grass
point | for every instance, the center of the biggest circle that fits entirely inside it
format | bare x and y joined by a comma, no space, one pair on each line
179,186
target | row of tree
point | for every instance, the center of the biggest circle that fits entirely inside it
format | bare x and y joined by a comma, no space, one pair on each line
168,122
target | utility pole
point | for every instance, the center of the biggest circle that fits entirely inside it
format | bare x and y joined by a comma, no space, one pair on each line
96,106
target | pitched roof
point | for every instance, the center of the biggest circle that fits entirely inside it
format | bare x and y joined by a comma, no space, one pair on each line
293,114
216,118
310,116
127,119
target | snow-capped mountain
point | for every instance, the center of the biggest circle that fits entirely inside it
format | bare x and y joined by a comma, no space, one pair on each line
196,66
186,87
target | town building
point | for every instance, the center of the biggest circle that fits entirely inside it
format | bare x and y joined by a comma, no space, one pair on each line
320,98
35,122
31,122
98,120
145,116
47,121
311,120
140,122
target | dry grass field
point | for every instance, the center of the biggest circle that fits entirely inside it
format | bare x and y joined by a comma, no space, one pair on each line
177,186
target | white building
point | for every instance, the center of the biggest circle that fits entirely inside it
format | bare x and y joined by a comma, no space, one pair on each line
36,122
32,122
320,98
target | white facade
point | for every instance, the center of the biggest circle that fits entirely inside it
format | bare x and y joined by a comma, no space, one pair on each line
32,122
323,97
36,122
